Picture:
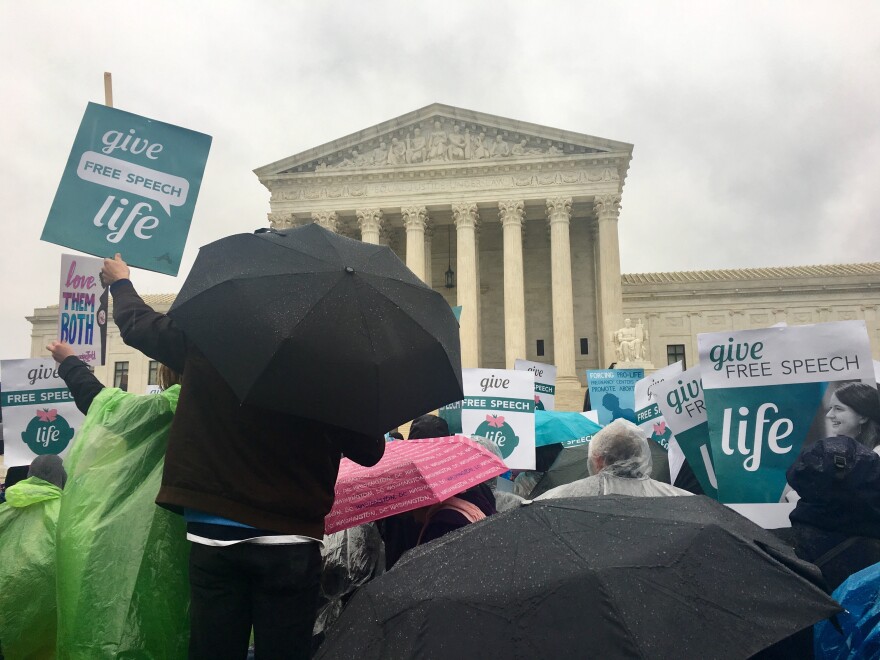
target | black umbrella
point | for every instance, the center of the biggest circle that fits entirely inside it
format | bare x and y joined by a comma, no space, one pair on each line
570,465
600,577
314,324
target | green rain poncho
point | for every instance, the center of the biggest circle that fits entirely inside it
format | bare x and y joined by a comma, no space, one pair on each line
123,587
27,569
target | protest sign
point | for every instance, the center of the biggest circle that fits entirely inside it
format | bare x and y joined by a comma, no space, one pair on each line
500,405
545,382
612,393
82,308
130,186
683,407
767,392
451,412
39,415
648,415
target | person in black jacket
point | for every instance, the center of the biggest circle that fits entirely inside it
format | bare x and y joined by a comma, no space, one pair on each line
254,486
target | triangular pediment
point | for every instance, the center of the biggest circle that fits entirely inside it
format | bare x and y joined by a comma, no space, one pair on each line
441,135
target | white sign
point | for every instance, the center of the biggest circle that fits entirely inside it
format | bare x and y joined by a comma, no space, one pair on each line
500,405
545,382
82,308
39,415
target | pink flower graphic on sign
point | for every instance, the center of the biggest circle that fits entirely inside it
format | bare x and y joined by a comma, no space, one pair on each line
660,428
495,421
46,415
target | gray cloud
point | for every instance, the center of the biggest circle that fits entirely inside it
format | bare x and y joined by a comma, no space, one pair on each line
754,123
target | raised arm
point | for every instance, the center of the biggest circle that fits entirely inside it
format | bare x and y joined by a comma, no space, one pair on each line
366,450
81,382
140,326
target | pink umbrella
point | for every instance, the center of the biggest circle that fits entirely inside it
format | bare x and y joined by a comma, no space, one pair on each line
411,474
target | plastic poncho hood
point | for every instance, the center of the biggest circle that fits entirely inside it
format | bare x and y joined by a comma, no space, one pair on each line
28,612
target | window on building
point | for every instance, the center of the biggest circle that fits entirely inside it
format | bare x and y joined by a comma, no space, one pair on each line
674,353
120,376
153,373
585,346
539,349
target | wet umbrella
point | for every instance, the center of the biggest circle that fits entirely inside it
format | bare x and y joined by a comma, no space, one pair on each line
568,428
314,324
570,465
599,577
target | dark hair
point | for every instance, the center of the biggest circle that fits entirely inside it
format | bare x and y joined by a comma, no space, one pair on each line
865,401
397,435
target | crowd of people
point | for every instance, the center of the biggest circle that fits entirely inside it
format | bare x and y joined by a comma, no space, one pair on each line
242,493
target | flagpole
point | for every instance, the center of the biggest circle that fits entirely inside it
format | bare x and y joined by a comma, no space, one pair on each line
108,89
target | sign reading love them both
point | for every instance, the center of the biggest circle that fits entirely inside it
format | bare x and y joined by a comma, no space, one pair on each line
499,405
130,186
82,308
39,415
766,394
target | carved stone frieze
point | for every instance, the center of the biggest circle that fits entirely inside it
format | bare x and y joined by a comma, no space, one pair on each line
443,140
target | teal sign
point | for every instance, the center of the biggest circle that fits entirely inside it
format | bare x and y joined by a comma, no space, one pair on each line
130,186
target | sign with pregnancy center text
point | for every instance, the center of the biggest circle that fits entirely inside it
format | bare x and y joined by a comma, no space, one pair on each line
499,405
767,393
130,186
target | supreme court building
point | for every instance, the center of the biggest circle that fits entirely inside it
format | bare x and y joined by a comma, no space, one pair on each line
518,224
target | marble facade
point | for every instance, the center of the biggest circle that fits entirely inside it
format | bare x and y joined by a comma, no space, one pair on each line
527,217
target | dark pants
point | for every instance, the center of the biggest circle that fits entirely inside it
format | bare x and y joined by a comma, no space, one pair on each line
272,587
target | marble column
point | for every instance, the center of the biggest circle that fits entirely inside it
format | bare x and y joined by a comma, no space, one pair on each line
559,218
511,214
370,223
414,219
466,218
327,219
607,208
429,254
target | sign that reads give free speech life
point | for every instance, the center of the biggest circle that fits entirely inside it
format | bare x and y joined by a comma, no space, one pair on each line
545,382
499,405
39,415
767,393
130,186
681,402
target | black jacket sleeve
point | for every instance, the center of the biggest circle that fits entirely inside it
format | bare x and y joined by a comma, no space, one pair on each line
81,382
145,329
363,449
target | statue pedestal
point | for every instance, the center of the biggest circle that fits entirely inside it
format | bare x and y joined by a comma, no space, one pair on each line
647,365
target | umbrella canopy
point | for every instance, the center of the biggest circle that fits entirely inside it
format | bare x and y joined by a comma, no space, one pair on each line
314,324
568,428
598,577
411,474
570,465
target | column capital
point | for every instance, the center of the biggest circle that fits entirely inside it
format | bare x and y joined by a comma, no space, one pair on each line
281,220
559,209
414,217
511,212
327,219
607,207
370,219
465,214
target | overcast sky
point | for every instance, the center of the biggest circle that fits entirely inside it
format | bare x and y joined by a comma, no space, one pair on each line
756,125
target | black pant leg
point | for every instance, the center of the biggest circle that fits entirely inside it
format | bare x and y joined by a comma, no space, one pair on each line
220,603
285,599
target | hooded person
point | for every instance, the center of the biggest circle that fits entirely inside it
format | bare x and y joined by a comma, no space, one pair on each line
122,578
428,426
619,462
836,521
28,521
49,468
